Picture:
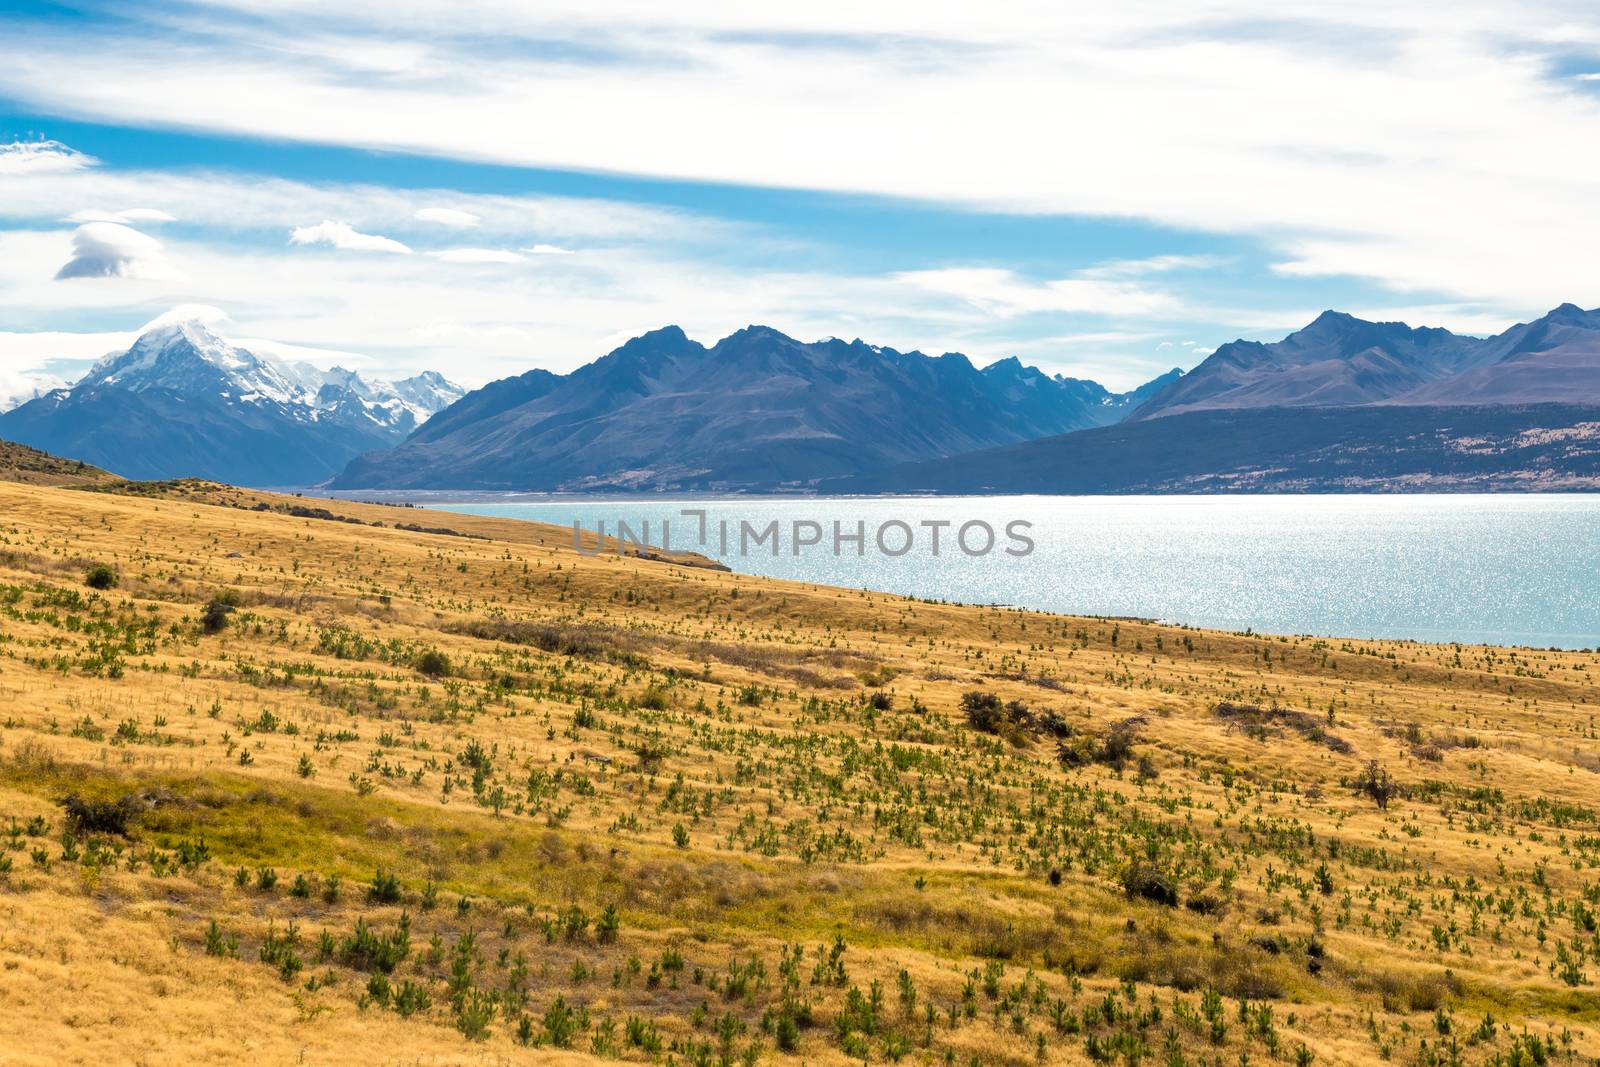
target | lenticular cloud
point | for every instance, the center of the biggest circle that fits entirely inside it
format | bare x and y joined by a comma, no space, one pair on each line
112,250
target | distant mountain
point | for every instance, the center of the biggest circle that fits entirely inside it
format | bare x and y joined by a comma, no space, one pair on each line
184,402
1373,448
1340,360
1342,405
758,410
1555,359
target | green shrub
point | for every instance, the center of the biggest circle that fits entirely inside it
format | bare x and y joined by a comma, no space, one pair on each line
385,888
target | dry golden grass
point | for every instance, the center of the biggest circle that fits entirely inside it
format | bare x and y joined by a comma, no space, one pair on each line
19,463
529,740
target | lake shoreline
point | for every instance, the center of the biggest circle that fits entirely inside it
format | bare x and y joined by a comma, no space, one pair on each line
1515,570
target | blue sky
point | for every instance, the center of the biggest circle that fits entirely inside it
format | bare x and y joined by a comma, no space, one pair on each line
480,188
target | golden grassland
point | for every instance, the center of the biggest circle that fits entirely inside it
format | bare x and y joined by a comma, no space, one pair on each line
285,780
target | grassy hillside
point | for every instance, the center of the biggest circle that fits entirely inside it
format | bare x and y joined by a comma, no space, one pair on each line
296,789
19,463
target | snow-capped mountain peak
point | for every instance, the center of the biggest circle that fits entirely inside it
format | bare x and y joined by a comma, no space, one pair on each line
429,391
184,400
189,358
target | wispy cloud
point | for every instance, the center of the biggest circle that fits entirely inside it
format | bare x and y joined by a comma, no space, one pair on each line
131,215
1160,111
41,157
241,202
1003,293
447,216
1138,268
476,255
1163,131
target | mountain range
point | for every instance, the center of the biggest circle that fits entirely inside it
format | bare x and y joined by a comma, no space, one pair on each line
182,401
1340,360
1342,404
756,411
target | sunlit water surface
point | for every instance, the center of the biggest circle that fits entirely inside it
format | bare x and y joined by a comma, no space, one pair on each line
1502,569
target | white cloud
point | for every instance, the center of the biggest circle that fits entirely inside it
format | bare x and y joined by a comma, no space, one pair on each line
32,364
447,216
410,313
20,386
317,356
1137,268
548,250
1004,294
476,255
41,157
1157,109
131,215
267,203
112,250
1455,317
209,314
343,236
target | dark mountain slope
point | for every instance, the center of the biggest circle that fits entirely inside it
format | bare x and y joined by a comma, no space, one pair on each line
1555,359
1340,360
758,410
1368,449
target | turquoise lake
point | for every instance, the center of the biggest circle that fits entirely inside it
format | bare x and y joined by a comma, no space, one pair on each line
1501,569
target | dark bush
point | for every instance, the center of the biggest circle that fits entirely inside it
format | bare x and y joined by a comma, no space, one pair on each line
983,711
1374,781
1117,748
214,617
99,816
100,576
434,664
1267,943
1018,715
1150,883
1052,723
